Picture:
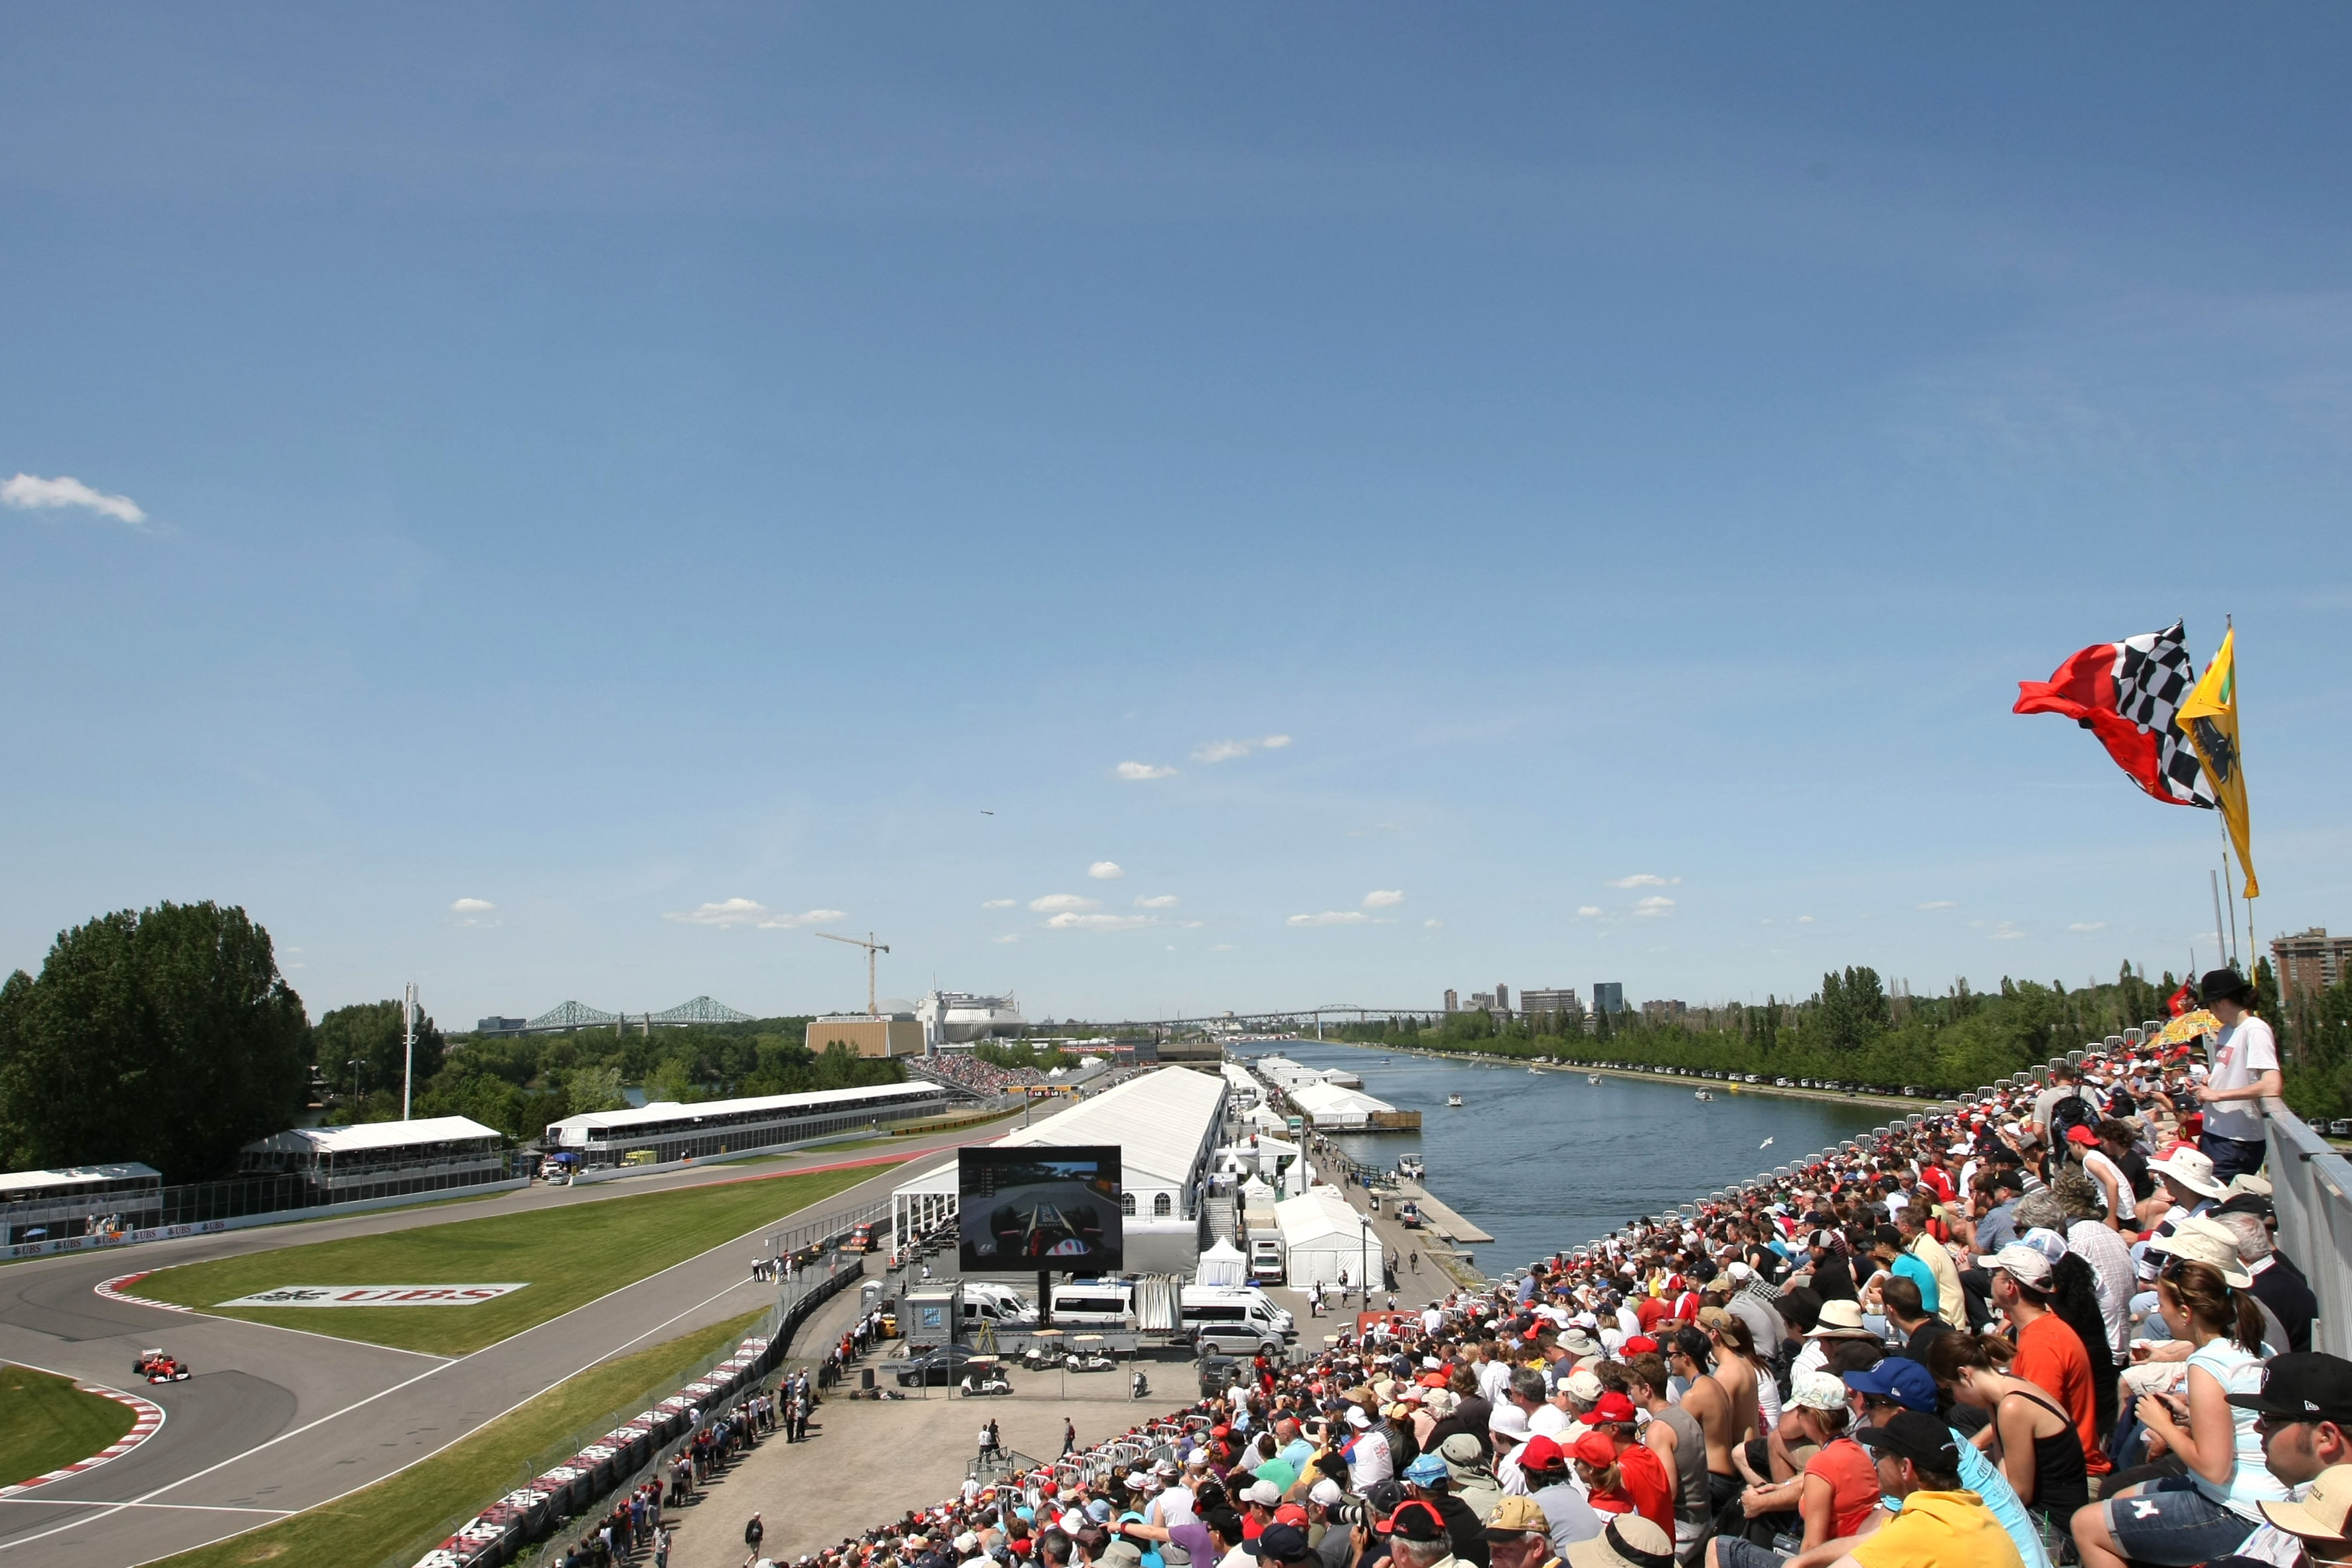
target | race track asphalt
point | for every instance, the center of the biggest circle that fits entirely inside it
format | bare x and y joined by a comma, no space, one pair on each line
277,1420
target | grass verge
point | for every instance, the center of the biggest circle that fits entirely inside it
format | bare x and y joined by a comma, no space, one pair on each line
569,1256
403,1515
45,1422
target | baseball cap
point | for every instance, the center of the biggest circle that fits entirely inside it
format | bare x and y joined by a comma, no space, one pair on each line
1583,1385
1916,1435
1897,1378
1508,1421
1265,1493
2201,1240
1595,1449
2078,1133
2304,1385
2323,1512
1818,1391
1426,1471
1611,1406
1541,1454
2024,1263
1278,1543
1415,1520
1639,1344
1518,1515
1325,1493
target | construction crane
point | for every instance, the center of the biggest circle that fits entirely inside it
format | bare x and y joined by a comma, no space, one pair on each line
871,947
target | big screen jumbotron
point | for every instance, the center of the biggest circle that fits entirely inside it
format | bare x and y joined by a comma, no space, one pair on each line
1038,1207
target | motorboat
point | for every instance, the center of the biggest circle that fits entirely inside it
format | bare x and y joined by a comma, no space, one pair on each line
1453,1100
1704,1094
1592,1078
1411,1167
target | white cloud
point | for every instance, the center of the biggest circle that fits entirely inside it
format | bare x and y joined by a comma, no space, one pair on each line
1331,918
1804,919
1056,903
1654,907
726,912
1643,879
1586,912
999,904
1226,751
1190,925
809,918
28,493
473,905
1432,925
1937,904
1142,771
1221,947
1067,920
1105,871
1383,899
1007,940
2003,930
2088,925
1158,901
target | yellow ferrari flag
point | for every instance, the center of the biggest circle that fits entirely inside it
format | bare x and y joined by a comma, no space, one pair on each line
2209,714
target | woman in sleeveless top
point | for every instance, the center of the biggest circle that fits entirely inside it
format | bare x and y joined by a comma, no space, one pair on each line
2029,1437
2212,1510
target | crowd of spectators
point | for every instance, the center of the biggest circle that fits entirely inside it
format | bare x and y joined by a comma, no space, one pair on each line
2051,1326
965,1070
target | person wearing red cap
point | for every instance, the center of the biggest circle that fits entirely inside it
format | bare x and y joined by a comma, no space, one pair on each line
2114,1189
1638,1475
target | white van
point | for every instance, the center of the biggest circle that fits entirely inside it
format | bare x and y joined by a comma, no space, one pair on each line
1236,1320
1095,1304
989,1308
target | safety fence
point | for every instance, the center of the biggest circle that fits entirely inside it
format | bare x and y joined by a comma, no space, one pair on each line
2311,1188
581,1474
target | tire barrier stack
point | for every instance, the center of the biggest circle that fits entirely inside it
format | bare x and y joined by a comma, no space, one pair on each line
504,1532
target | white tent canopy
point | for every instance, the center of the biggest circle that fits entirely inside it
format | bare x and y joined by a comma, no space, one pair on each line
1222,1265
1322,1234
1326,1105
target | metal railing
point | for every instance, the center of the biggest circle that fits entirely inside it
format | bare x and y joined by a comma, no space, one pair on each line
2311,1188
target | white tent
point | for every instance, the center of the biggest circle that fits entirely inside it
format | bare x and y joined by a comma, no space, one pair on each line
1222,1265
1322,1234
1326,1105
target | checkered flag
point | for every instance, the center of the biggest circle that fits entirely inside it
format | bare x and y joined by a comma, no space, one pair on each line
2129,693
2152,674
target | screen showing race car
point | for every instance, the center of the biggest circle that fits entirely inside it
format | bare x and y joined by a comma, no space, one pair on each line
1039,1208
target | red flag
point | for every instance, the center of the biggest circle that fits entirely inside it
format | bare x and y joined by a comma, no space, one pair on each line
2126,693
2183,999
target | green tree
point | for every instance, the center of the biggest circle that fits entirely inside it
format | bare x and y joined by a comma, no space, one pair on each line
164,1036
593,1088
370,1034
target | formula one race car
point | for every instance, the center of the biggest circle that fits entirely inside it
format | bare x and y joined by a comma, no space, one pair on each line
1046,1230
157,1367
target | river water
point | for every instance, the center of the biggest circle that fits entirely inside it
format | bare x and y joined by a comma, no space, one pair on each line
1546,1161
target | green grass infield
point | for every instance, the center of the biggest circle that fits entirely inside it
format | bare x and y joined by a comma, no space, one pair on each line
570,1256
45,1422
402,1516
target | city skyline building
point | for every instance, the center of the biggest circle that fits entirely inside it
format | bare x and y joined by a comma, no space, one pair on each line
2310,961
1608,996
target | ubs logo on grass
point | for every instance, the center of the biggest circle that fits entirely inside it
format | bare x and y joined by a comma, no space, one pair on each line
376,1296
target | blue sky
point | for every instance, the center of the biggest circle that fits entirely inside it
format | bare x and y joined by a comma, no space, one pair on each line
663,476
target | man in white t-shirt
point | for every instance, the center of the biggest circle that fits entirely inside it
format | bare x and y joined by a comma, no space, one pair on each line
2245,1072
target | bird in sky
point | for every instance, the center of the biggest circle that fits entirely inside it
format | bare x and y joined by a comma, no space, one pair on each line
1766,1144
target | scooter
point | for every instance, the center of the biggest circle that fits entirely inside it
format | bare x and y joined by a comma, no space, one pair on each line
1139,1387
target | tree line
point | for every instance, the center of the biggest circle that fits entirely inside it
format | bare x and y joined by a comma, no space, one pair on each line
169,1036
1852,1030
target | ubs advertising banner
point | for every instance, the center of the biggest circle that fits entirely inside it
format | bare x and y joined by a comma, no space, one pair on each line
376,1296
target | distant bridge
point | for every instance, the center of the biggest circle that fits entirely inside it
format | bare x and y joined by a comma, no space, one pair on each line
573,1015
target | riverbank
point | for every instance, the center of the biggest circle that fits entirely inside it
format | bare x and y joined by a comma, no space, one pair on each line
1636,1075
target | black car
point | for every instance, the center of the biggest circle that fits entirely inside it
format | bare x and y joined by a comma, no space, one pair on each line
941,1368
1217,1374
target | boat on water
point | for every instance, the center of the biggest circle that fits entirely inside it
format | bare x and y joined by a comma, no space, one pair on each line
1535,1071
1704,1094
1455,1101
1411,1167
1592,1078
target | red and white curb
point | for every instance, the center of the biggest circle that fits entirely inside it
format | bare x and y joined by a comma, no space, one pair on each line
149,1420
112,1289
